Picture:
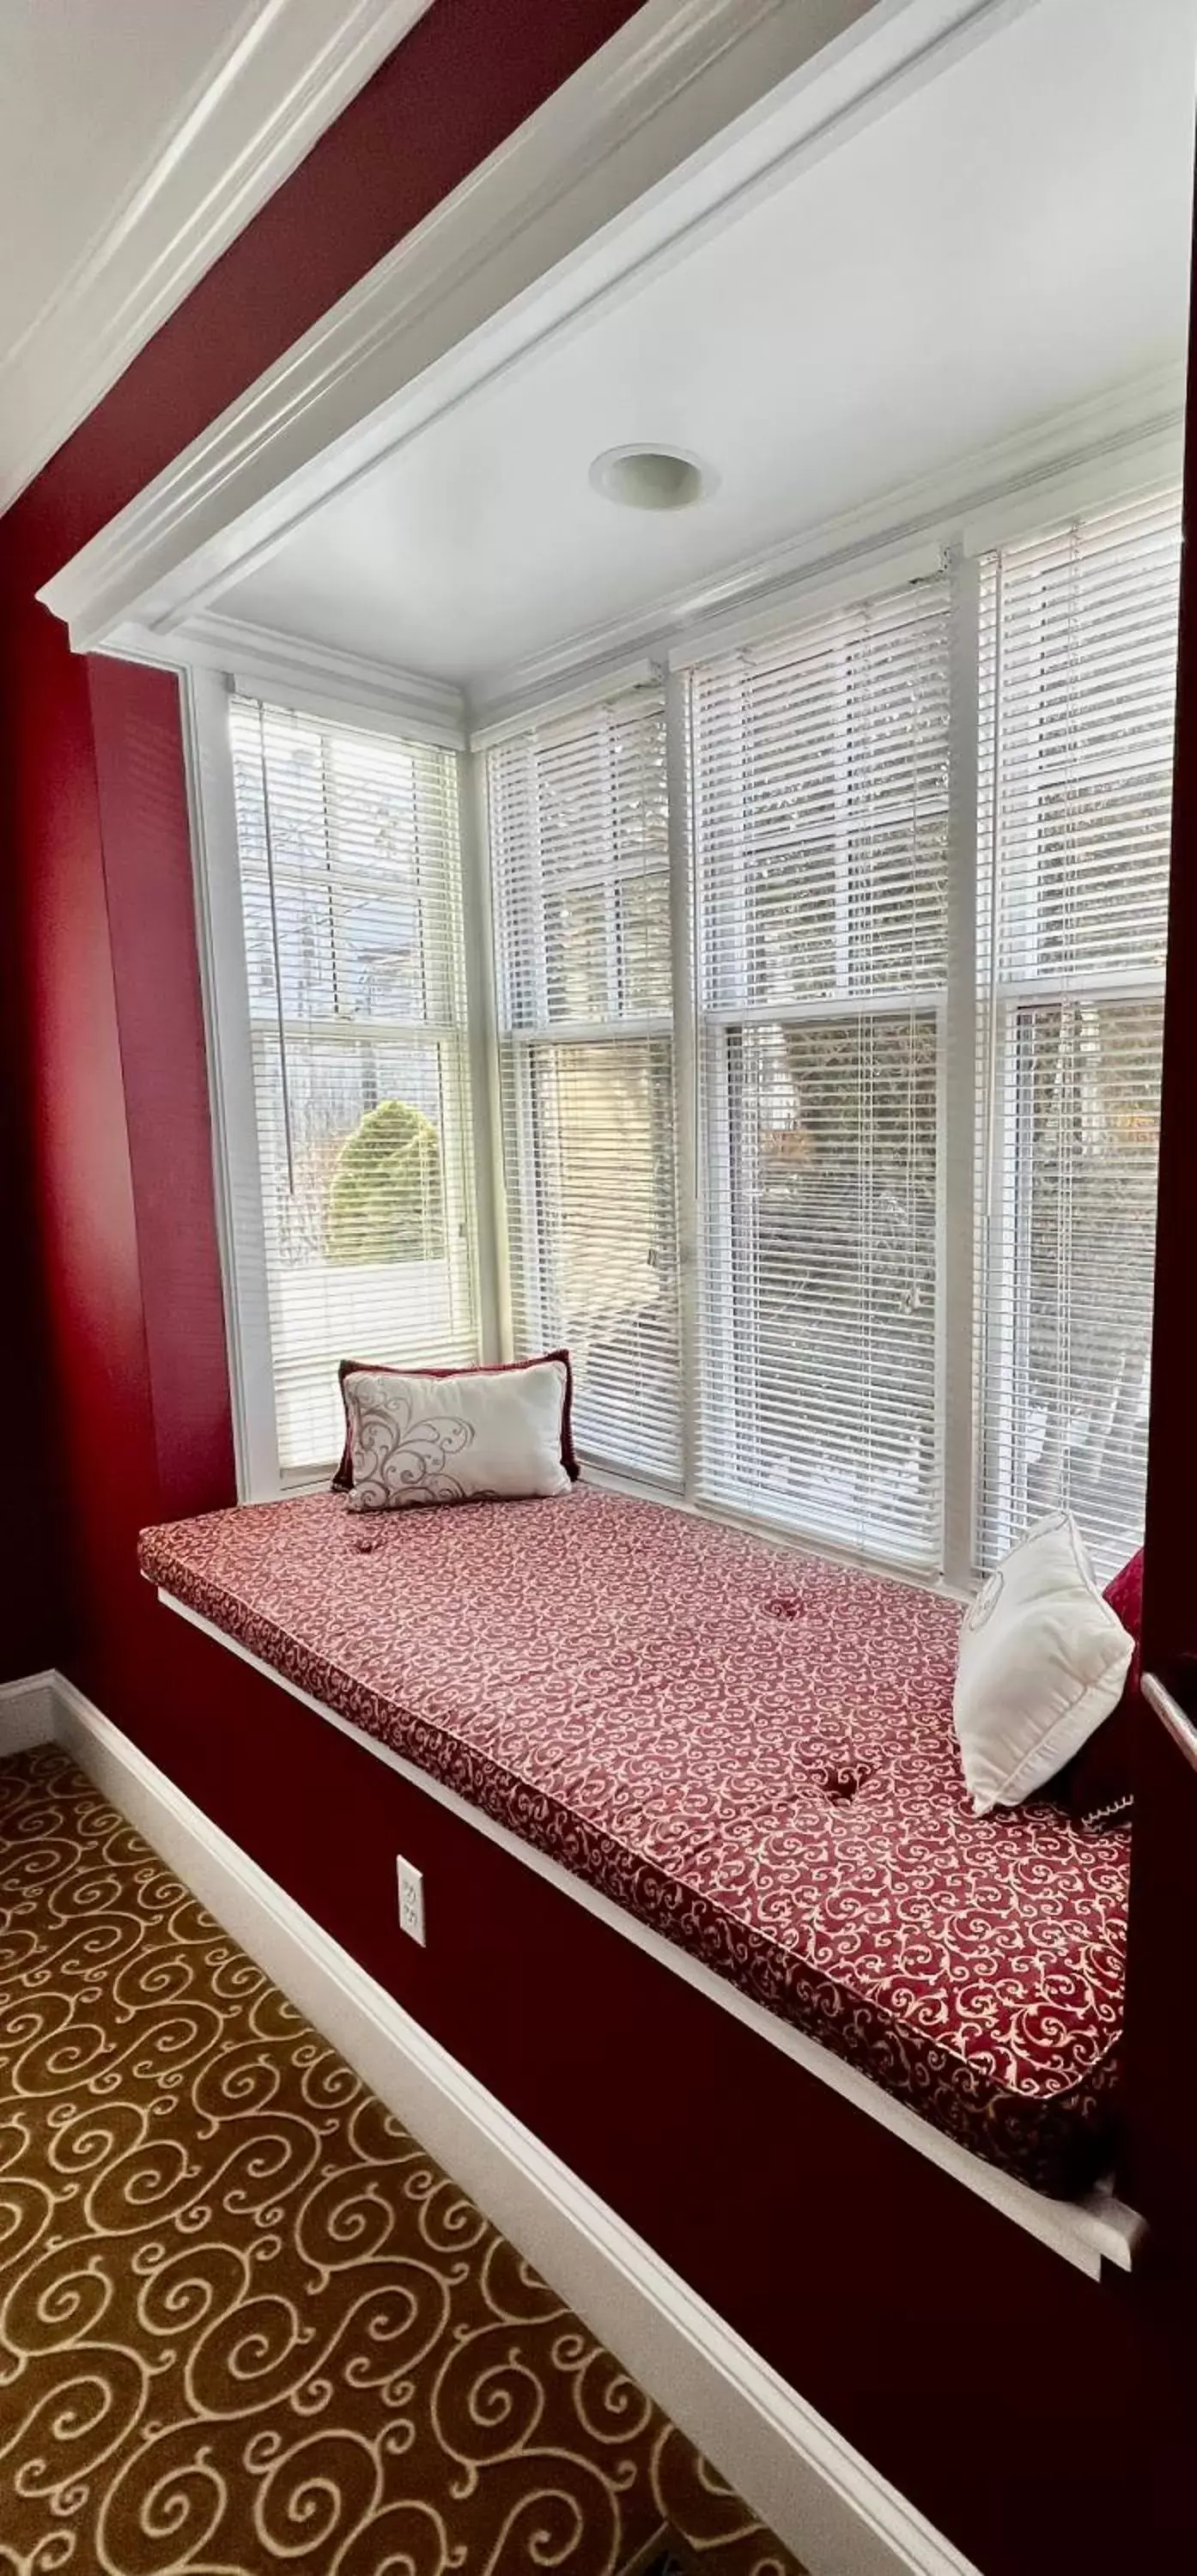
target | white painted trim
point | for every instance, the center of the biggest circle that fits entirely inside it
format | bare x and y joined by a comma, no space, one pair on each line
813,2489
684,1053
576,694
956,1179
1117,468
288,70
27,1712
286,670
228,1031
1092,453
827,587
1086,2232
690,111
482,1062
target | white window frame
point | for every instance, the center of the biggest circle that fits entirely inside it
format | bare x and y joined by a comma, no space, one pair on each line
232,1091
542,1033
1000,1327
225,986
734,1014
960,539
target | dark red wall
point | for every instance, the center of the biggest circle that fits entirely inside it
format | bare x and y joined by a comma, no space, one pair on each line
109,1291
1162,1965
27,1631
1039,2419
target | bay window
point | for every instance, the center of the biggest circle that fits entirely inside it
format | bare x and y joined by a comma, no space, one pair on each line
824,1090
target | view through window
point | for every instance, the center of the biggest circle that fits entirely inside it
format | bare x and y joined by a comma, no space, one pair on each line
773,1342
348,855
1078,677
578,820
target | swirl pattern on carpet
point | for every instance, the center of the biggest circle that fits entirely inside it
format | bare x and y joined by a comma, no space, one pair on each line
246,2323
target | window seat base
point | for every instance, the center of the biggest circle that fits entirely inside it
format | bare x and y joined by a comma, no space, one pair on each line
747,1754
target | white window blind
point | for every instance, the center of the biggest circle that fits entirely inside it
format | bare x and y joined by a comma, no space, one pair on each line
819,817
1078,674
578,828
350,889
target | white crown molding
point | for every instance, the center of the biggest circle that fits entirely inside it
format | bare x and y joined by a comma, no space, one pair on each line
1088,454
1093,450
290,68
692,110
315,677
820,2496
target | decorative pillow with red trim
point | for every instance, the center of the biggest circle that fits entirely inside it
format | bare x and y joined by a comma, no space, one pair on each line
1098,1786
343,1480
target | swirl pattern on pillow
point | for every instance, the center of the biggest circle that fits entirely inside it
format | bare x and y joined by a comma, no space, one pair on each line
401,1454
493,1435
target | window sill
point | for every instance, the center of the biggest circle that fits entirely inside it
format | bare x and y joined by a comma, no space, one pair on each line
778,1534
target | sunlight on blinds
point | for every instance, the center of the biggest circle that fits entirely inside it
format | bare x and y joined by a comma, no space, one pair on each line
578,829
350,893
820,816
1078,678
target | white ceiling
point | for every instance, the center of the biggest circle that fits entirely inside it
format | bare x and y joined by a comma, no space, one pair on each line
136,138
1006,243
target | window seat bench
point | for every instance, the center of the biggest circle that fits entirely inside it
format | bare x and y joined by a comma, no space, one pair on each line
747,1748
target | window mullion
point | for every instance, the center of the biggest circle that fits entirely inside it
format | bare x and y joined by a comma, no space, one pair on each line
238,1165
482,1065
958,1304
685,1065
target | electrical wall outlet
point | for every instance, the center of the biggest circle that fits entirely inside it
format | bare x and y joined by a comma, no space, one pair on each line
411,1899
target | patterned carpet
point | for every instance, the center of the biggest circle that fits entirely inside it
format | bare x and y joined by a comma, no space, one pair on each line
245,2323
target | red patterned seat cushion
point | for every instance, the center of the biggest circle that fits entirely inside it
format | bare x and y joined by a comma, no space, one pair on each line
750,1749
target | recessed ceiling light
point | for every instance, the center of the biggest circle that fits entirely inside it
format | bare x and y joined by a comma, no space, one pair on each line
651,478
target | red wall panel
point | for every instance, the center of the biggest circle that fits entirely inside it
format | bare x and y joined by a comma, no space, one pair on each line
1036,2417
27,1627
91,1334
145,836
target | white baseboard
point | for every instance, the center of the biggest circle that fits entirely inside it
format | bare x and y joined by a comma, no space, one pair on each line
27,1712
816,2492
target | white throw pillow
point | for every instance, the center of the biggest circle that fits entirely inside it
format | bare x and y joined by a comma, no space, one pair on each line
484,1433
1042,1661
